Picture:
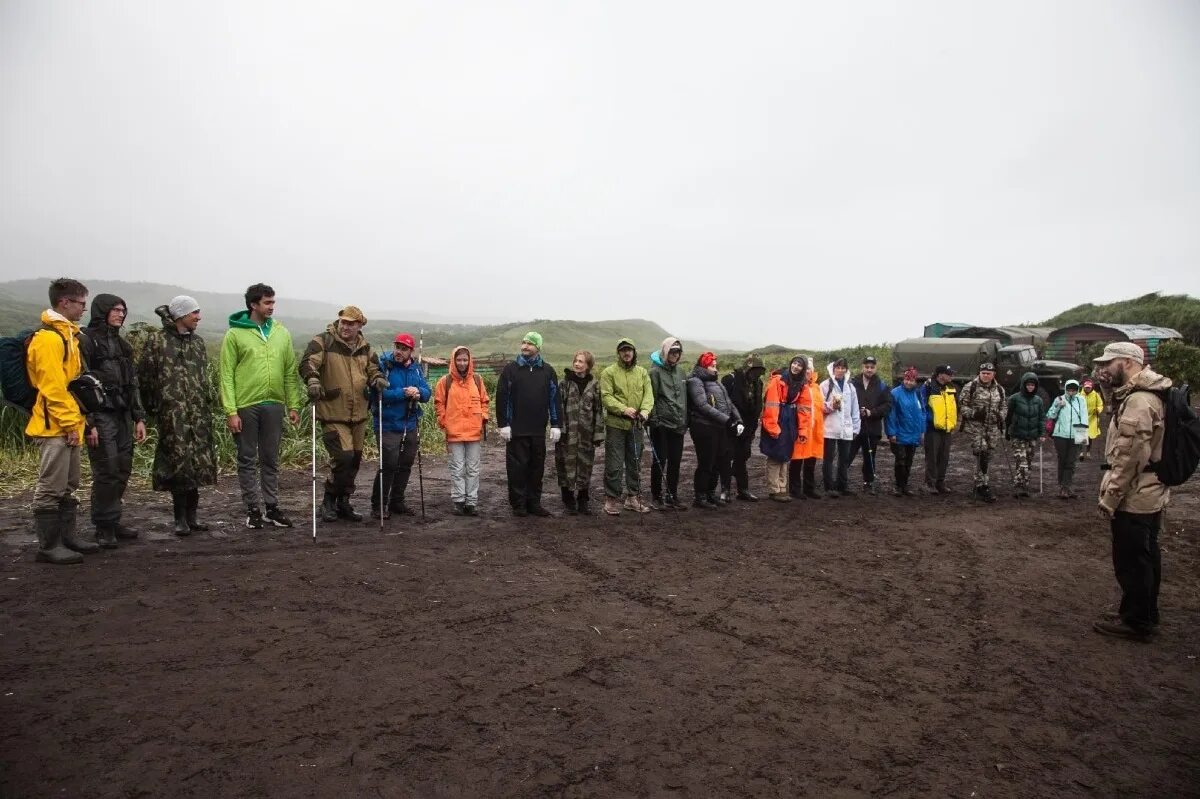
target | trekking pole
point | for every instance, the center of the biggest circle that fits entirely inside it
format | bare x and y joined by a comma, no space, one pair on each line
412,405
314,471
383,501
637,426
662,470
1041,487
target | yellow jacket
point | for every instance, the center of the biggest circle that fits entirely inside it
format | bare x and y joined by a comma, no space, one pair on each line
55,411
1095,407
941,406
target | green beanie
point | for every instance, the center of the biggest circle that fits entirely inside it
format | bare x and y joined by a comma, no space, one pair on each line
534,338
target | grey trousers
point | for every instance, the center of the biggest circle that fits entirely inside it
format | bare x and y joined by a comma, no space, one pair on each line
463,458
258,445
58,473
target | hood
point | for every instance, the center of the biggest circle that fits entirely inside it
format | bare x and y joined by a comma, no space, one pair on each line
703,374
52,318
1028,377
752,363
101,305
1070,383
242,319
1147,379
627,342
470,364
660,357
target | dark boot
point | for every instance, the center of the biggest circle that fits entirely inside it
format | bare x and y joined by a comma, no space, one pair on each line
50,546
106,535
66,515
193,505
582,503
329,508
123,533
179,503
720,500
704,501
568,498
346,511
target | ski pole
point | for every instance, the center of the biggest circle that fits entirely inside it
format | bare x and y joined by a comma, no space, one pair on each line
314,471
667,499
1041,486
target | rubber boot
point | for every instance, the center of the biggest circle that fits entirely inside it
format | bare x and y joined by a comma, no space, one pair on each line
346,511
50,547
329,511
106,535
179,505
568,498
66,515
582,503
796,479
193,505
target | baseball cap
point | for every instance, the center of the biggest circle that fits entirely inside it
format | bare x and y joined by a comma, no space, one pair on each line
407,340
352,313
1122,349
870,359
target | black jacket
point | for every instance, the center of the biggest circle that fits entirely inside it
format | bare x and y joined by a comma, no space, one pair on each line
527,396
110,358
746,394
708,403
876,398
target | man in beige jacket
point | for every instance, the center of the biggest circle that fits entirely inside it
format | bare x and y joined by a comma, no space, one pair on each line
1132,497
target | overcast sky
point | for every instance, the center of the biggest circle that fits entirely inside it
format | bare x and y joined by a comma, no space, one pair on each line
804,173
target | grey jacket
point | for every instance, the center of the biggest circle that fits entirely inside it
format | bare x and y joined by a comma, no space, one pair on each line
708,401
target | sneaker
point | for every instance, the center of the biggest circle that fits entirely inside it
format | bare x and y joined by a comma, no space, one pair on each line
612,506
781,496
275,516
1114,616
1120,629
254,518
634,503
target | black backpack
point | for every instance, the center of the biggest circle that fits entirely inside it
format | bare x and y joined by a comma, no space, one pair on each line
14,377
1181,437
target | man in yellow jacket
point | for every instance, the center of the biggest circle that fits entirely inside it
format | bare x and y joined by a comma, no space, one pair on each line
57,423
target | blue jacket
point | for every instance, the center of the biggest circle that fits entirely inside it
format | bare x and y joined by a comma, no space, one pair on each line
397,415
906,420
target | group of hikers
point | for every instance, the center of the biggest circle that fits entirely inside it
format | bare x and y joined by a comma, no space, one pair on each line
262,381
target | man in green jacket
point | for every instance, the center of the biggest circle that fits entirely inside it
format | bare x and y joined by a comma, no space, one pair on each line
628,399
259,384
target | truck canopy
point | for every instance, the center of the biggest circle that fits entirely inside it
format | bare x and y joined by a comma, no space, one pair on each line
963,354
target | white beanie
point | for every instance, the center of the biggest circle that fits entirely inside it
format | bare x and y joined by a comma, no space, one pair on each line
182,306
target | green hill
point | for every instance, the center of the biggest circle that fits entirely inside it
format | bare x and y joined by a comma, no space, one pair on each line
17,315
1178,311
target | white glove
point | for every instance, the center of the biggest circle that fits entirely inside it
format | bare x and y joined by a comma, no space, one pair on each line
506,433
741,428
555,435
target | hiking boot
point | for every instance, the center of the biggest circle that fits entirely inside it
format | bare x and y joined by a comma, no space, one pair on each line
123,533
845,491
984,494
657,504
1119,629
1021,493
540,511
275,516
583,502
869,488
568,500
106,536
906,492
459,509
1062,493
678,504
469,510
746,496
612,505
346,511
812,493
942,488
375,512
400,508
50,546
254,518
1114,616
832,493
193,505
634,503
780,496
328,508
898,491
66,516
720,500
704,501
519,511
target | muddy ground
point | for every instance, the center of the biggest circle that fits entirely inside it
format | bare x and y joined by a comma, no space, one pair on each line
890,647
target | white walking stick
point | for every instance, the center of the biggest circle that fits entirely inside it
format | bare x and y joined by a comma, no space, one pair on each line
383,501
1041,487
314,471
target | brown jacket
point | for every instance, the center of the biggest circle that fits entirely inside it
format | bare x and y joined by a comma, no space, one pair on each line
345,371
1135,438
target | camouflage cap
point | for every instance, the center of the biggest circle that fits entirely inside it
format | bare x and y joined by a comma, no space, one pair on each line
352,313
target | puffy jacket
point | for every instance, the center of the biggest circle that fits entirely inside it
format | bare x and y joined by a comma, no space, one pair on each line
906,417
624,387
941,405
258,366
1095,406
1068,413
110,358
461,402
55,411
345,371
708,403
842,423
399,413
1023,420
745,388
875,397
527,397
670,390
1135,439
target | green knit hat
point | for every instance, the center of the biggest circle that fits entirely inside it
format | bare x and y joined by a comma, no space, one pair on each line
534,338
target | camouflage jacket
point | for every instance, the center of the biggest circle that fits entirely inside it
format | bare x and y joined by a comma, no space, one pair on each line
982,408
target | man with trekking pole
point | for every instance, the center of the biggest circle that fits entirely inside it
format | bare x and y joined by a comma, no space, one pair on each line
400,406
628,399
874,404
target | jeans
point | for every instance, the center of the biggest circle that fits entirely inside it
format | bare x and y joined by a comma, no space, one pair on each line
840,449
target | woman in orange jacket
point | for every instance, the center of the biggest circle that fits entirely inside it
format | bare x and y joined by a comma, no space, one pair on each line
788,390
810,439
461,402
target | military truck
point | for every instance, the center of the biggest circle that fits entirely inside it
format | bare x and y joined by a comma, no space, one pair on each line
966,354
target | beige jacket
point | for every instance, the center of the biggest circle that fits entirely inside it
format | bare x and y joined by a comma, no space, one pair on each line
1135,439
345,371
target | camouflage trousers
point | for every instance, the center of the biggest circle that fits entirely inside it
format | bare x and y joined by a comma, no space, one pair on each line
983,444
1022,455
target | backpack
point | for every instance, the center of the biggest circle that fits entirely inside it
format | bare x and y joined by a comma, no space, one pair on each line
1181,437
14,376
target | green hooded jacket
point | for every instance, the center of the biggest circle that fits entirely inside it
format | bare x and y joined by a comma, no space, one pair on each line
258,366
624,387
670,389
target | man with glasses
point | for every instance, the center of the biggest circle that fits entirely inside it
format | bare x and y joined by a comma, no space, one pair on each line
983,407
57,423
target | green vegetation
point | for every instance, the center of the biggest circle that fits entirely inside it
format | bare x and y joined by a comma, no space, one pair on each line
1180,362
1178,311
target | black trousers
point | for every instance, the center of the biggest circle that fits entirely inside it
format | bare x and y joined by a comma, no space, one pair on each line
1137,563
868,443
740,450
712,450
839,449
112,462
399,452
668,451
903,454
525,460
802,477
937,456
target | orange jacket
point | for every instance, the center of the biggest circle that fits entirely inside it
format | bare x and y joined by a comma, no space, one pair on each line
461,402
809,410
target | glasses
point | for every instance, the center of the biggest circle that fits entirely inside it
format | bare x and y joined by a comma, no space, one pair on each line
82,303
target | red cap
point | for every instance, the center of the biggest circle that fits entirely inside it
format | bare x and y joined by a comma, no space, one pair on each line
707,359
910,373
406,340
